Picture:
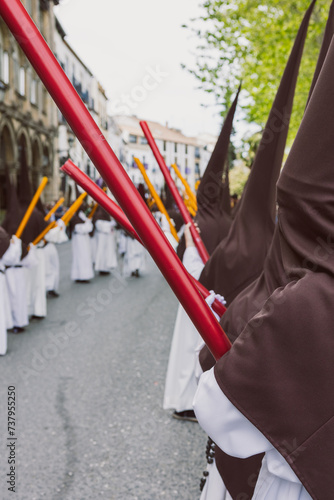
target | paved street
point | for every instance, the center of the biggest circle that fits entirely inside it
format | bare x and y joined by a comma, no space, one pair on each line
89,387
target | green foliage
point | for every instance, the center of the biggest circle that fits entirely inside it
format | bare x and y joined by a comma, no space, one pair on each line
250,40
238,176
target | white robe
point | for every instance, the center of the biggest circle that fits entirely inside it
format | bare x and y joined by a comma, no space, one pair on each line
10,258
57,235
135,256
51,268
82,264
106,257
17,288
181,382
164,224
36,289
238,437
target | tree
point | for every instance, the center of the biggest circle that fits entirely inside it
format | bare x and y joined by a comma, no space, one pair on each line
250,40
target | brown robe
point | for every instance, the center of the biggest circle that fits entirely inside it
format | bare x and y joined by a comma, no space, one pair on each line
279,372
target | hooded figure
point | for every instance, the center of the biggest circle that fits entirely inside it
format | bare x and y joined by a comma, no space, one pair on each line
16,275
82,261
239,258
105,242
213,221
5,314
279,372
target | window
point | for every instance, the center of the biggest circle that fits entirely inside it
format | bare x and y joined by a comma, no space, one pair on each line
132,139
22,81
186,148
175,147
165,145
16,68
44,100
197,154
143,140
175,160
186,162
197,171
33,91
5,67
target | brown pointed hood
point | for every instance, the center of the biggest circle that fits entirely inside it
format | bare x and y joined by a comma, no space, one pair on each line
239,258
12,218
213,221
210,190
328,35
226,197
4,241
279,372
35,225
101,214
24,188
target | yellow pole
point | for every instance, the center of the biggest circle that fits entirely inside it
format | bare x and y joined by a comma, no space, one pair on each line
189,202
65,218
92,212
53,209
73,208
43,233
185,184
156,197
31,207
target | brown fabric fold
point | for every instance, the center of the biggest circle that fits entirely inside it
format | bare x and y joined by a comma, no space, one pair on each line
279,372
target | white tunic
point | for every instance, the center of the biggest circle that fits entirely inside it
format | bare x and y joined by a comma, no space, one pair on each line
17,288
134,258
181,382
106,257
10,258
164,224
238,437
82,265
57,235
36,289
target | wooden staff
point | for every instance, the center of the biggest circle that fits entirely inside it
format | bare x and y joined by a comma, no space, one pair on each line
65,218
111,170
43,233
156,197
190,207
73,208
188,189
116,212
53,209
176,195
91,215
31,207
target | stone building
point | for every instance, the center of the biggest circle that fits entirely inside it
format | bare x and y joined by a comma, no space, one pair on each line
191,154
28,119
93,95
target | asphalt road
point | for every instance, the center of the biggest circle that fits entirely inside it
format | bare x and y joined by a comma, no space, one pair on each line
89,382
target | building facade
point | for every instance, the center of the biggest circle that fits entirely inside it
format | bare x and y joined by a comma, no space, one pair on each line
93,95
189,153
28,121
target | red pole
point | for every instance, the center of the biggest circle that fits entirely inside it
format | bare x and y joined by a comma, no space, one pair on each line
115,211
99,151
176,195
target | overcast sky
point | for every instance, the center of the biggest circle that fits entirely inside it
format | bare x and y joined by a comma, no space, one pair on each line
135,49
